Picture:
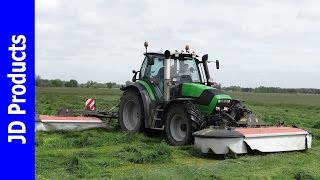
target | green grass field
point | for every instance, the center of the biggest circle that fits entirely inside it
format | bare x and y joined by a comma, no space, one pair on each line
99,154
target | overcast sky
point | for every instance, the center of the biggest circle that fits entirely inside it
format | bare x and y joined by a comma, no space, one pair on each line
269,43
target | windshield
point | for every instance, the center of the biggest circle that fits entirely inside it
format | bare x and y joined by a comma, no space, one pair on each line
185,70
181,70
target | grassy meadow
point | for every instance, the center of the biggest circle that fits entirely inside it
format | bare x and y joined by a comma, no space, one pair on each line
102,154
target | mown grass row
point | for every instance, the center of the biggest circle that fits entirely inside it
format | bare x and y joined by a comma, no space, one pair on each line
80,154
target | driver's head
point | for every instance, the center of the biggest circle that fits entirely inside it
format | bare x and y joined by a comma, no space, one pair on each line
184,67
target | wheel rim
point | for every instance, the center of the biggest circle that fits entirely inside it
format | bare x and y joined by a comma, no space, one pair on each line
130,115
178,127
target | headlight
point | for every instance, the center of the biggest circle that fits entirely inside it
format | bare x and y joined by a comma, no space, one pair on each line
224,101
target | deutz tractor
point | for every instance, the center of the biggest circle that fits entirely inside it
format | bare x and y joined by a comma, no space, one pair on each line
174,93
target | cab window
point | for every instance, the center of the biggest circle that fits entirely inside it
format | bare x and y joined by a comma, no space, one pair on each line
151,71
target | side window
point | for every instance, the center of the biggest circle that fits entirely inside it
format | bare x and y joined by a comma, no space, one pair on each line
143,68
156,68
148,71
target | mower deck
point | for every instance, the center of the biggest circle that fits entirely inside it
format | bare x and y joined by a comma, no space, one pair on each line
240,140
53,123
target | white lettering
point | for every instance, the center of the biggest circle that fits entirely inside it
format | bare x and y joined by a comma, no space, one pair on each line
18,78
15,109
17,127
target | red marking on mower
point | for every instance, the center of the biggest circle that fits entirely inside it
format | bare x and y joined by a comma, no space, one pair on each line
53,123
269,130
90,104
46,118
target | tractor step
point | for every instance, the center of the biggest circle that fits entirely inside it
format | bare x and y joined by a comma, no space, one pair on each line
157,121
161,128
240,140
157,124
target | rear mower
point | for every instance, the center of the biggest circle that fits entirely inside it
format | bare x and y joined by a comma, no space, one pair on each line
174,93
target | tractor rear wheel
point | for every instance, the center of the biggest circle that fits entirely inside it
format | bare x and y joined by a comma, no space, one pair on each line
131,112
181,121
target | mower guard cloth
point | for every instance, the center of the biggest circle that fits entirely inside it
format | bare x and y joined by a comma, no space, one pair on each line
240,140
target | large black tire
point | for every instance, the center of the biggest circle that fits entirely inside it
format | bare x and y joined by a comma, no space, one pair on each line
131,112
181,121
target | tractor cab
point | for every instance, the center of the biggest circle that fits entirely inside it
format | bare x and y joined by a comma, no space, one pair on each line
183,69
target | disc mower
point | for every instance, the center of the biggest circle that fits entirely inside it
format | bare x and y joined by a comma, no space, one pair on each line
173,92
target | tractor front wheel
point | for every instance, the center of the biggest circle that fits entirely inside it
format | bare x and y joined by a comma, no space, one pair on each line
180,122
131,112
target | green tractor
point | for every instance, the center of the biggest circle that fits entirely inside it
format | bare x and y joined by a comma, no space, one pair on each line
174,93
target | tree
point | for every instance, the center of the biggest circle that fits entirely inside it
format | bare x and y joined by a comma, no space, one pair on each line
38,81
45,83
71,83
109,85
56,83
74,83
89,84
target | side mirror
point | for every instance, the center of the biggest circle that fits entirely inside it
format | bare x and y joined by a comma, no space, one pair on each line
134,78
205,57
150,61
217,64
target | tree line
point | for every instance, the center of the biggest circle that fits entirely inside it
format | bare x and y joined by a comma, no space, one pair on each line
73,83
92,84
263,89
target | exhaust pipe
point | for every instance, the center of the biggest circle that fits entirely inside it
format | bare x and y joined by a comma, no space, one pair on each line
206,69
166,86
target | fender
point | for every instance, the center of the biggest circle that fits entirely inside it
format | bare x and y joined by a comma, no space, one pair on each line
176,100
146,100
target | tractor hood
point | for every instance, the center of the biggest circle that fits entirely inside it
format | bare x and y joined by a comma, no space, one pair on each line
205,97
